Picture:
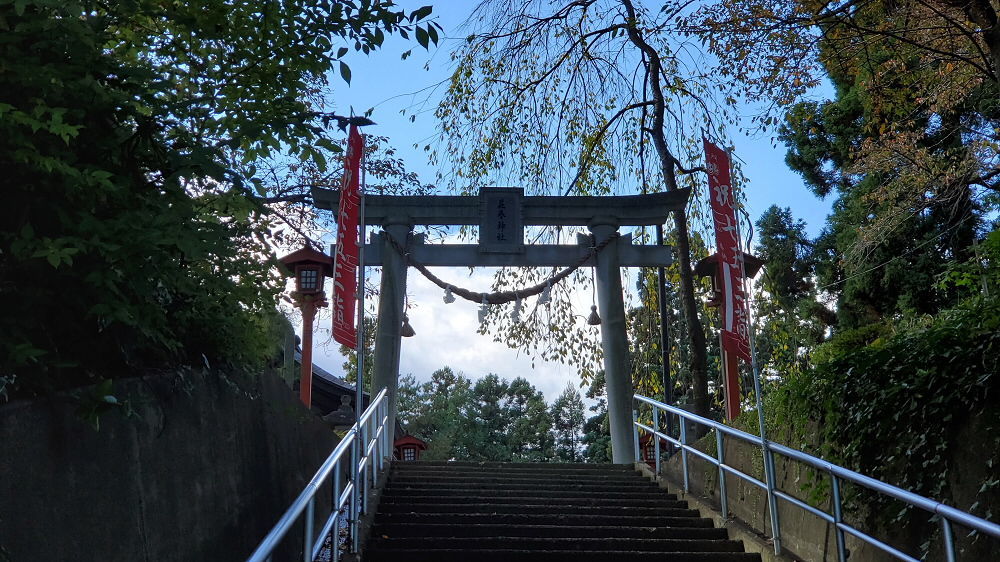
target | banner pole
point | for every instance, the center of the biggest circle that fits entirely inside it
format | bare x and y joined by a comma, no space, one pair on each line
769,472
359,396
359,380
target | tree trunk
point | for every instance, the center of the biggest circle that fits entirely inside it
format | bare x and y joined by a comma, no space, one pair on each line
699,351
699,348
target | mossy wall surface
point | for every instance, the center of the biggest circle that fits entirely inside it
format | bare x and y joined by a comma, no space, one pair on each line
193,466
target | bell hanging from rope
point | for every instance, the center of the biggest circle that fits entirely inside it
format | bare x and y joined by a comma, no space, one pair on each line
406,330
448,297
594,319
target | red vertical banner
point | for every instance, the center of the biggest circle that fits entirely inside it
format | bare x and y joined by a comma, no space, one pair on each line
345,258
735,319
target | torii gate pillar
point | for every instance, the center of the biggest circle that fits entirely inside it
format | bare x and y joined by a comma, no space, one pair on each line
617,375
390,316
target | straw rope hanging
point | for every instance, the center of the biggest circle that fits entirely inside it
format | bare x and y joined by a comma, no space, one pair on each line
502,296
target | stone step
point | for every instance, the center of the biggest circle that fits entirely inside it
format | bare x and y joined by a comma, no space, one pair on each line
492,512
534,499
550,478
385,507
453,555
399,529
503,470
444,492
553,480
558,519
519,480
628,468
556,543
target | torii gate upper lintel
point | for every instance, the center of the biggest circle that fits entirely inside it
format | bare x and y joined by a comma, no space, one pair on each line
538,210
501,214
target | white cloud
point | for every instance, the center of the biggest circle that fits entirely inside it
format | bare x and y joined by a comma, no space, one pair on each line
446,335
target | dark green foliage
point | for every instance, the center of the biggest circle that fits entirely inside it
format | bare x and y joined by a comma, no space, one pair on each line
785,249
128,240
901,172
114,253
432,411
529,435
596,431
485,435
890,402
567,424
491,420
506,422
820,137
791,320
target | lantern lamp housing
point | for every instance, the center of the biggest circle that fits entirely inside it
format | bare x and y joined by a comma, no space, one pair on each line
310,268
308,279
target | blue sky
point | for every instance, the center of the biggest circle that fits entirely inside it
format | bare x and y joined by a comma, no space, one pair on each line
446,334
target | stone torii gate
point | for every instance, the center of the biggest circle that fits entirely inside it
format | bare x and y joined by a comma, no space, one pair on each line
502,214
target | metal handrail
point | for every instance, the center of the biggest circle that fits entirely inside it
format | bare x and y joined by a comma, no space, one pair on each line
838,474
366,445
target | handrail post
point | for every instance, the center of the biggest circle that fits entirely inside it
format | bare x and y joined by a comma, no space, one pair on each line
380,445
635,434
376,453
335,531
363,477
656,438
772,499
721,455
355,496
309,522
949,539
390,435
684,453
838,518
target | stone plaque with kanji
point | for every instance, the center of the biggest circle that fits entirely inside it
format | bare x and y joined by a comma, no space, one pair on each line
501,224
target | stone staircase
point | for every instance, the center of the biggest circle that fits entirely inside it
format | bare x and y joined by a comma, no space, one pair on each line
485,512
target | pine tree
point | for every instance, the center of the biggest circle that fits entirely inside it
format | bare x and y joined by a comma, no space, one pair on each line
567,424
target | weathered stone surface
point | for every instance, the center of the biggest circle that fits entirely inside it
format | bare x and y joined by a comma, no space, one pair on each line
200,471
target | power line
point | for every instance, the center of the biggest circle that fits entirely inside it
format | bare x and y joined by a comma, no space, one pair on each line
887,262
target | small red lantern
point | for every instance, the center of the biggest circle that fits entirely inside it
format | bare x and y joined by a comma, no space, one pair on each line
408,448
647,449
310,267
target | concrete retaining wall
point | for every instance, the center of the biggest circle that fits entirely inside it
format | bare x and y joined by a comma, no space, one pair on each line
806,536
194,467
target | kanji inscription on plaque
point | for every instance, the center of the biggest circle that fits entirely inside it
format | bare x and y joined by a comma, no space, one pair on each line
501,225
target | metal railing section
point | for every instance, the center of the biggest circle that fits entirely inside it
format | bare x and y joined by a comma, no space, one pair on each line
947,515
366,445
